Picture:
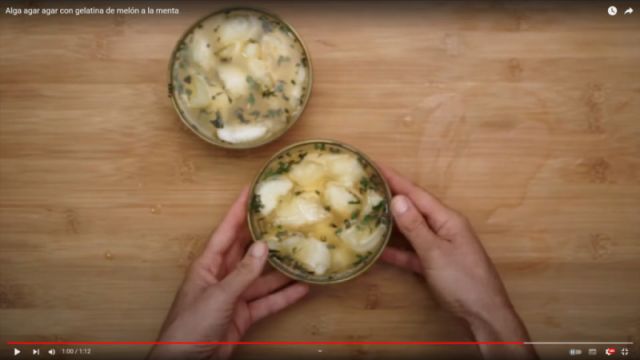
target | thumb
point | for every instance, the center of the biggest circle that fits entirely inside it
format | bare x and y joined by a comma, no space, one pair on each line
247,270
413,225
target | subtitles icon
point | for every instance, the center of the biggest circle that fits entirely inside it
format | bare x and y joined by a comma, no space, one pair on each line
575,352
612,10
593,352
609,351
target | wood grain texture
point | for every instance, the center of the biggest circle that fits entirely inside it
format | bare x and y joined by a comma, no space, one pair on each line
524,116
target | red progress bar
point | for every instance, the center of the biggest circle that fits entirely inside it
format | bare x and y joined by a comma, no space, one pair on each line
265,342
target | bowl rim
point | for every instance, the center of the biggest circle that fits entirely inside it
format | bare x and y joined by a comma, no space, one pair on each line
223,144
388,196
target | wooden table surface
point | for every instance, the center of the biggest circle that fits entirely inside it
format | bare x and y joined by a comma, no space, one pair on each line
525,117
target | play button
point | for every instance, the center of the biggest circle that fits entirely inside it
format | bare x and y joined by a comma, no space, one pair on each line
16,352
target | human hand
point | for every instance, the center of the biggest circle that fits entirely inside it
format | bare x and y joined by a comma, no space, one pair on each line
224,293
455,265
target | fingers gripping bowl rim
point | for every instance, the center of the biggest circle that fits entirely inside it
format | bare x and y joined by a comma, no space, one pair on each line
363,216
292,117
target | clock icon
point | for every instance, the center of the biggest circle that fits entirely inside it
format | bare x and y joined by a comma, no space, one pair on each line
612,10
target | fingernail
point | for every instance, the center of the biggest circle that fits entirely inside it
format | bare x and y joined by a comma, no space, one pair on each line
258,249
400,204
